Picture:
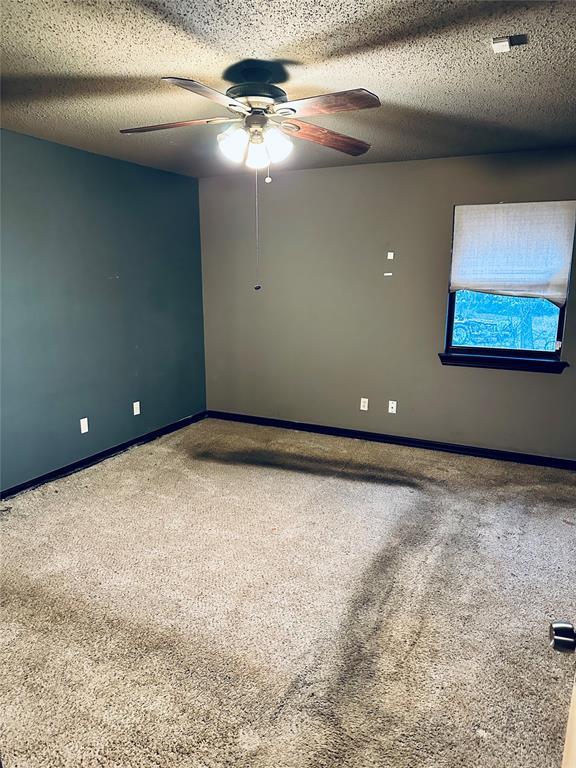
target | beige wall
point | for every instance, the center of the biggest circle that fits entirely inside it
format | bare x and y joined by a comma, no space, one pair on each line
328,328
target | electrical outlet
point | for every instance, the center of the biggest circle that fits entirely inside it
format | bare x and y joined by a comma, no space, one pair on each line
84,425
391,406
387,274
136,407
363,403
390,255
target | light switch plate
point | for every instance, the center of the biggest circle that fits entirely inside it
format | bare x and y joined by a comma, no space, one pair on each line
84,425
363,403
136,407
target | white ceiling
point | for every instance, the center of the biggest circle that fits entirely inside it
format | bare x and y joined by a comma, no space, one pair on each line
77,71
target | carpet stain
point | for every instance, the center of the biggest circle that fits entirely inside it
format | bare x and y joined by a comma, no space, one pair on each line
336,694
346,469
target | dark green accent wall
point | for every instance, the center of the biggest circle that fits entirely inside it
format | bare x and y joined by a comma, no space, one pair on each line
101,304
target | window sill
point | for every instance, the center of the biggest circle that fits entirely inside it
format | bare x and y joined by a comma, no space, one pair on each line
471,360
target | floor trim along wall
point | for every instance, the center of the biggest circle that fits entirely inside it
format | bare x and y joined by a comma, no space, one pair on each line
98,457
355,434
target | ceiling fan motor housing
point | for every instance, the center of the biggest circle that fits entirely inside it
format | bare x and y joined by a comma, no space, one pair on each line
257,95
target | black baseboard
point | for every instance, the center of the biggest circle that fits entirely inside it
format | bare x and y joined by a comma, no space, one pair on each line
355,434
98,457
412,442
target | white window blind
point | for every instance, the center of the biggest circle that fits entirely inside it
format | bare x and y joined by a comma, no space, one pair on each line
514,249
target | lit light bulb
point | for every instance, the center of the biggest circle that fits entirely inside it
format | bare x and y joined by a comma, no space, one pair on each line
233,143
278,145
257,156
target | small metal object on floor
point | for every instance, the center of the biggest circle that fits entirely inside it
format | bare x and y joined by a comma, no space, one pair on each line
563,636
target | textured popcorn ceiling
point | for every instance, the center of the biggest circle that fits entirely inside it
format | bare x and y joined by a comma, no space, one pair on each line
77,71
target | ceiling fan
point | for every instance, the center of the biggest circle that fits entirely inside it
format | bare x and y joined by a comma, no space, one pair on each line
264,120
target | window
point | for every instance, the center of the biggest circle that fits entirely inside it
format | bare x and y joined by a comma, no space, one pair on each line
509,285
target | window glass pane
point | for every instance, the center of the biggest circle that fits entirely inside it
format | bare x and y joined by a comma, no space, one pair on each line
504,322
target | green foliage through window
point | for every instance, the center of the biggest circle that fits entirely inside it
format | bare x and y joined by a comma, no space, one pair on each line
504,322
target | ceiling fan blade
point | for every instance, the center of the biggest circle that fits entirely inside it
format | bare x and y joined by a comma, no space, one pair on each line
327,103
207,92
325,137
183,124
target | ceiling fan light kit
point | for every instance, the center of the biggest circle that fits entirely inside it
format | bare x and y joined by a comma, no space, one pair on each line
258,143
268,120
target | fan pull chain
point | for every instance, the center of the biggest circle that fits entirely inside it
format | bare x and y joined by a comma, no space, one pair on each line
257,287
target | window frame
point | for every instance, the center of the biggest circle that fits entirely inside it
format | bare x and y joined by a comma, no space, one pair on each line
499,357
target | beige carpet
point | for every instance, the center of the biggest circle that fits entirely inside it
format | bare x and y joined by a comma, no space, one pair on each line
233,595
